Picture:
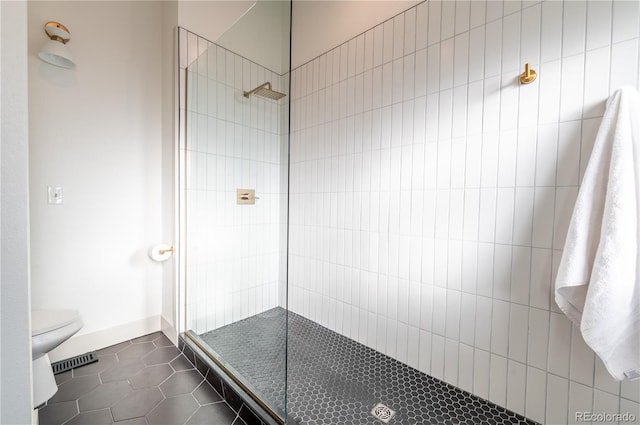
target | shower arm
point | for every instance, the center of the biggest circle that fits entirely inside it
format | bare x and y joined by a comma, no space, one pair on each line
249,93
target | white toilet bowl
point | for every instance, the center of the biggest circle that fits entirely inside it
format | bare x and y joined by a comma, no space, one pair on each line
49,329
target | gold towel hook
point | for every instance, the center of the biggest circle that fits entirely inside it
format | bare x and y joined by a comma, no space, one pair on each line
528,76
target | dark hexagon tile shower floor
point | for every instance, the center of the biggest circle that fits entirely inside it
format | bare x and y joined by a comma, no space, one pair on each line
335,380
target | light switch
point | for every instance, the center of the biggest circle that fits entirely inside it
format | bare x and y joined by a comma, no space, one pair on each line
54,195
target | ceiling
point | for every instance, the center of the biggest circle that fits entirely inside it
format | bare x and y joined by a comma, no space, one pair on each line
258,30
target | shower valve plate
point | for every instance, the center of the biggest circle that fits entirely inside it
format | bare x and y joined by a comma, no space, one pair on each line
382,413
246,196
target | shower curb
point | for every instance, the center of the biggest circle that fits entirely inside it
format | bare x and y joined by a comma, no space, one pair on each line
248,410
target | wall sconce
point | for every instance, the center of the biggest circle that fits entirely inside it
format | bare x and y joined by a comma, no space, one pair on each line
55,50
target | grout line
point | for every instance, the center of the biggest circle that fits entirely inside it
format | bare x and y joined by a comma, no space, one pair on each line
550,298
464,203
435,190
531,248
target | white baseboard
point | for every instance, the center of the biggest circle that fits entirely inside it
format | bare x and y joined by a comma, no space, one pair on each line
169,330
81,344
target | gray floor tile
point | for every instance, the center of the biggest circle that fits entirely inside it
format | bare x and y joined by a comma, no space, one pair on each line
151,376
122,370
181,363
123,391
161,355
104,395
205,394
147,338
163,341
332,380
57,413
63,377
95,417
135,421
182,382
173,411
136,351
138,403
218,414
113,348
74,388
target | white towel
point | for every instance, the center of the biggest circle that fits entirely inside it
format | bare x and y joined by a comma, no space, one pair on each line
598,281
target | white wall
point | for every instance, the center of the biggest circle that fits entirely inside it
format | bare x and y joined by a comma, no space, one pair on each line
96,131
431,192
210,19
170,169
15,334
262,35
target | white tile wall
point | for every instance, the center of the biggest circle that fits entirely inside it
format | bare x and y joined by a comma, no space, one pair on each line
235,253
441,189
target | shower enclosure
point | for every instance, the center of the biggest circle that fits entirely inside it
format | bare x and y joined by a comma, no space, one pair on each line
236,152
371,236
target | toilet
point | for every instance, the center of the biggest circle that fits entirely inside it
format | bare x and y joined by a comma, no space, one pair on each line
49,329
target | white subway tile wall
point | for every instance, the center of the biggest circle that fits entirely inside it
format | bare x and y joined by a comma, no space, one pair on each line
236,254
431,192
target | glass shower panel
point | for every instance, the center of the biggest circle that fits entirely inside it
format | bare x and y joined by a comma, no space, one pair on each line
235,145
235,200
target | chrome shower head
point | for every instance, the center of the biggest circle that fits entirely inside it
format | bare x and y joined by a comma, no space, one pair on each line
265,90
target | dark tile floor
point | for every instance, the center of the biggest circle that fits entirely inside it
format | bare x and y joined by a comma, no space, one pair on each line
255,349
145,381
332,379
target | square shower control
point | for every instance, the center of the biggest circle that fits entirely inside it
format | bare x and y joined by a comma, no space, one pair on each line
245,196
